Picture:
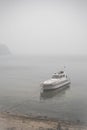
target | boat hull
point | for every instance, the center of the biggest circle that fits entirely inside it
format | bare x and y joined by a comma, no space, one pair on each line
57,86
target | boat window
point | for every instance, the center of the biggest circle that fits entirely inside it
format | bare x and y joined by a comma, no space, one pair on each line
55,76
61,72
60,76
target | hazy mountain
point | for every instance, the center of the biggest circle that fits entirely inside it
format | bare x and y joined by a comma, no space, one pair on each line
4,50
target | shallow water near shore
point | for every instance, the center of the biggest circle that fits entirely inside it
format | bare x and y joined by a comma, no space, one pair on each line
20,90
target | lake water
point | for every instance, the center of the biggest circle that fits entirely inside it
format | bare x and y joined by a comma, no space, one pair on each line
20,91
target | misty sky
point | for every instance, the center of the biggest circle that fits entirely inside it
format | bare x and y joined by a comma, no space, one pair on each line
44,26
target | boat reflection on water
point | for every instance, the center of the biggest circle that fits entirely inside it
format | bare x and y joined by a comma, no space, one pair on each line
53,93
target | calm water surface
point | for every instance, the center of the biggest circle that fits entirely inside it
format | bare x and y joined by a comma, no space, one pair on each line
20,91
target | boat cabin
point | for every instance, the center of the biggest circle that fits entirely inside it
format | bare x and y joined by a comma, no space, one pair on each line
60,74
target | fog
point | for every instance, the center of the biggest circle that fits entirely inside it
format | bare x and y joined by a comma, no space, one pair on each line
43,27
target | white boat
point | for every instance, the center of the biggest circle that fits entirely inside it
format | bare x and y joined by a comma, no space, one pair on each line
58,80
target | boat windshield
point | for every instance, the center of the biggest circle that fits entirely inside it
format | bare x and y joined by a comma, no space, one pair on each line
61,72
55,76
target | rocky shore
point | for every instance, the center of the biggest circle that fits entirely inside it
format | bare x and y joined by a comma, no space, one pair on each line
20,122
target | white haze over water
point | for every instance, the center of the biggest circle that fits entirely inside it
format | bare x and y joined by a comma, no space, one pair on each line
44,26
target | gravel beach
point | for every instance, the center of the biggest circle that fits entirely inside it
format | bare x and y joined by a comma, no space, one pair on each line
9,122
